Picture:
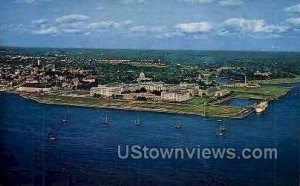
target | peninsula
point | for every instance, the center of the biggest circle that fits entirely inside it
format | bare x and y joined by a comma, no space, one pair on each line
143,84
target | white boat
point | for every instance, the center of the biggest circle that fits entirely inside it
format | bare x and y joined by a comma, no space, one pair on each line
65,119
261,106
105,120
137,121
51,137
222,129
220,132
177,125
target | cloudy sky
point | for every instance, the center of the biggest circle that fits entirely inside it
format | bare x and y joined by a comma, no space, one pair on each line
152,24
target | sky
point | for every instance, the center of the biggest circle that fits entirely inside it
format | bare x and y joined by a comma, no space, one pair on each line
260,25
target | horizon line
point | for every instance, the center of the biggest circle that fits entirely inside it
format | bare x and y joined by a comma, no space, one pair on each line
158,49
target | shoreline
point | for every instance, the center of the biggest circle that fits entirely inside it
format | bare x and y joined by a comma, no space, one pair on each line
245,112
209,110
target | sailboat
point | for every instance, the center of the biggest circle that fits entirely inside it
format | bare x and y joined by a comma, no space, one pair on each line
51,137
65,119
105,120
137,121
222,129
177,125
220,132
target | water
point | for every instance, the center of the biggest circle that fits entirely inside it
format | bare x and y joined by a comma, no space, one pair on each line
240,102
85,152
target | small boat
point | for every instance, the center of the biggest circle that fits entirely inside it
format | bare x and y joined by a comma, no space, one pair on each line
177,125
65,118
222,129
137,121
105,120
51,137
220,132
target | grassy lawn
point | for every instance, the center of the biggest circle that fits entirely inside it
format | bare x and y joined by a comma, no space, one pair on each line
198,101
197,105
265,91
279,81
78,92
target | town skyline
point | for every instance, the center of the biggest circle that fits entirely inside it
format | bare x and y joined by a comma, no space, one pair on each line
139,24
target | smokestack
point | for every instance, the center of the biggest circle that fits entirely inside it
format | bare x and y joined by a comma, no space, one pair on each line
245,79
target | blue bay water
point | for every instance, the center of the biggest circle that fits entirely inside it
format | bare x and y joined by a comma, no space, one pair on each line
240,102
85,152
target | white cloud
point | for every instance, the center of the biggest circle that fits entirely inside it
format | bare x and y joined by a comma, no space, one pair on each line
294,21
139,28
230,2
250,26
195,27
143,28
157,31
109,24
104,24
39,21
74,24
128,22
46,31
293,9
170,34
73,27
71,18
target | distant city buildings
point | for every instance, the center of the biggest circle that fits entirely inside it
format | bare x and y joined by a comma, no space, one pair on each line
263,74
36,74
33,74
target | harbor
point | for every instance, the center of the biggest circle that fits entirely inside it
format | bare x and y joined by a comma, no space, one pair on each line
150,93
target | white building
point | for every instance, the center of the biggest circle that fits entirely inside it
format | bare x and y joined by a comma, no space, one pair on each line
89,80
131,87
175,96
34,88
221,93
159,86
106,90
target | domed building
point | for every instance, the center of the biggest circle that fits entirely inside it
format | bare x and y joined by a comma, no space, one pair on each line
142,77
